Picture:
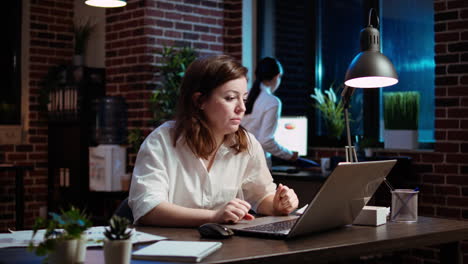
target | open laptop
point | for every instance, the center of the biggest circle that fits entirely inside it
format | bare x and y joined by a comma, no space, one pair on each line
338,202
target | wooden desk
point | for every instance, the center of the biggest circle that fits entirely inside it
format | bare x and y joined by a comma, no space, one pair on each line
325,247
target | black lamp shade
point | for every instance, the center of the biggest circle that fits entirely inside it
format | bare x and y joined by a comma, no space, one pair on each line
370,69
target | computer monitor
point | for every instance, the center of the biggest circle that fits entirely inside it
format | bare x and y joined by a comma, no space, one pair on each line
292,133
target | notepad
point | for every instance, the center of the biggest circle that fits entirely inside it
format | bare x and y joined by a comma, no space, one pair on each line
186,251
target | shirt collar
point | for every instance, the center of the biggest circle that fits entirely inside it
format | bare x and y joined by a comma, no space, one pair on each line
265,88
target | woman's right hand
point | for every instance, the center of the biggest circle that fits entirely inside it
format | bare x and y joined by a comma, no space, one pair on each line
295,156
234,211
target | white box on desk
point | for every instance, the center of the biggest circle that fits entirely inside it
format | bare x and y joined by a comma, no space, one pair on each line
107,165
372,215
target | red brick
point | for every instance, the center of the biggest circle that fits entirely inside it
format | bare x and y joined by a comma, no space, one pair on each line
448,212
440,135
457,158
445,168
440,6
460,24
190,18
458,135
11,157
435,179
440,48
183,26
447,190
457,4
446,147
459,180
457,201
447,37
432,199
447,123
458,91
464,124
440,113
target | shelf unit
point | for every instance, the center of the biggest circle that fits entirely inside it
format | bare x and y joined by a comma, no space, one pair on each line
69,138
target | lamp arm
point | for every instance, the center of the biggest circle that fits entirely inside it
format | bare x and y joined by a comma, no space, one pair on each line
350,151
346,96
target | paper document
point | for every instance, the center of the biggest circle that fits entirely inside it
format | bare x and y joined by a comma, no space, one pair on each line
95,236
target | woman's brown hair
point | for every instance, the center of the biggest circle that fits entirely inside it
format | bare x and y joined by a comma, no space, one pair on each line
203,76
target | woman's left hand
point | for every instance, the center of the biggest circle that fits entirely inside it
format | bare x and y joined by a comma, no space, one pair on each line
285,200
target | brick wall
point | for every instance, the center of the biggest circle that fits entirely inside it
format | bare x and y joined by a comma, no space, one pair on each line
294,42
50,44
136,34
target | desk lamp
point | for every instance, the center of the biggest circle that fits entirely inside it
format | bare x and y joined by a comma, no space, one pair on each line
106,3
369,69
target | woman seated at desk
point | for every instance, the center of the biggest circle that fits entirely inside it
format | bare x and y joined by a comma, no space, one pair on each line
204,167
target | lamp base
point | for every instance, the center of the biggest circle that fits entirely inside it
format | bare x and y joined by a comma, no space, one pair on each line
350,153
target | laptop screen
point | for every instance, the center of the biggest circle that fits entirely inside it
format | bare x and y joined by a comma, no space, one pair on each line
292,133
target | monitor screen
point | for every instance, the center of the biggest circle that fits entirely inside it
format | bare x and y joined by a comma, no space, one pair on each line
292,133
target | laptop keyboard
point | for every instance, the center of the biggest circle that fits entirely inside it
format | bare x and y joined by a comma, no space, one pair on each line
273,227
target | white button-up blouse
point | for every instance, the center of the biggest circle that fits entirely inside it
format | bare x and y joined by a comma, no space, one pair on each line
174,174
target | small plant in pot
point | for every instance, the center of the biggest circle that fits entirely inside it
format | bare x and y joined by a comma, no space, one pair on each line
64,239
331,109
368,144
401,116
118,243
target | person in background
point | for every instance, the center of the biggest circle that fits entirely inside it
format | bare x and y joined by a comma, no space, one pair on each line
203,166
263,109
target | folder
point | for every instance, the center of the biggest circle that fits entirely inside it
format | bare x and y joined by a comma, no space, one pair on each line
185,251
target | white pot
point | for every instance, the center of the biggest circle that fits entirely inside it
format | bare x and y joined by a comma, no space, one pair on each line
69,251
368,152
81,249
117,251
401,139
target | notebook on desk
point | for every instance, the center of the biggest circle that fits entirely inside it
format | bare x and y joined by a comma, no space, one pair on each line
338,202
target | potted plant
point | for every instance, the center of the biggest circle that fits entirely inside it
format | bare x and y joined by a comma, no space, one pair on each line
64,239
332,111
401,116
368,144
117,242
164,98
82,32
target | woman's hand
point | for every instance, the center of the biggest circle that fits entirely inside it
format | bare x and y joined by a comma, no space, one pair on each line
285,200
295,156
233,212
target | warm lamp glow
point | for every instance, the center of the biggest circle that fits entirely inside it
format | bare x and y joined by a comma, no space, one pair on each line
106,3
371,82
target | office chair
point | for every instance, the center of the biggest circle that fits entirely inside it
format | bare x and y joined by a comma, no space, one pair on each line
124,210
